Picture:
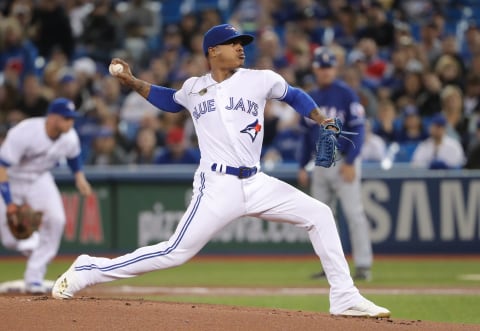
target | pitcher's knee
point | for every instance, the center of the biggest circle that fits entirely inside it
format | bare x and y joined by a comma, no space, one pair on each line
178,257
322,211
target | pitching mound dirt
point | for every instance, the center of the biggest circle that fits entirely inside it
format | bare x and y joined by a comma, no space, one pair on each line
22,312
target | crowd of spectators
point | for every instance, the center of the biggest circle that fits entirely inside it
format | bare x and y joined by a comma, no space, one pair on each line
414,64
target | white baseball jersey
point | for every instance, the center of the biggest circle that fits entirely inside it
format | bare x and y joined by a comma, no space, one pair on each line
234,134
30,152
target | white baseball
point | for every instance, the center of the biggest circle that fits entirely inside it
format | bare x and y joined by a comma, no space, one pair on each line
115,68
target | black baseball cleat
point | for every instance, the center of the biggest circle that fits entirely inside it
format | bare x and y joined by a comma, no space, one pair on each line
364,274
319,275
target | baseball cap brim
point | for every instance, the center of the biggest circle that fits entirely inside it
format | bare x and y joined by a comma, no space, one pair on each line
71,115
245,39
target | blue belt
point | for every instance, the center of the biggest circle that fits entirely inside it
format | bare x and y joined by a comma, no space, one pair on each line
240,172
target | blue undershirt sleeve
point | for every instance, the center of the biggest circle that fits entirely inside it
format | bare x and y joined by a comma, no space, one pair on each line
5,186
75,164
5,192
162,98
299,100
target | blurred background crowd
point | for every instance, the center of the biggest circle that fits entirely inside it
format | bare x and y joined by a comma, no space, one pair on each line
408,60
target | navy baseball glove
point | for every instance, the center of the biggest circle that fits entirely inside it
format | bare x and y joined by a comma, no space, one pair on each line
327,144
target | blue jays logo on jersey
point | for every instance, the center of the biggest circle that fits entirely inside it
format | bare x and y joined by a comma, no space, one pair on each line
252,130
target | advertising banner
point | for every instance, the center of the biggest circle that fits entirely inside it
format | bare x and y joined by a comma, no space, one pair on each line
407,215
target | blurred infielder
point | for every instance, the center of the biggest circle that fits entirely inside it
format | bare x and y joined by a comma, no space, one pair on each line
227,107
31,149
343,180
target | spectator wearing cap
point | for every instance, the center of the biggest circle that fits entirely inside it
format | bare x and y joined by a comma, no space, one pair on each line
439,151
176,150
410,133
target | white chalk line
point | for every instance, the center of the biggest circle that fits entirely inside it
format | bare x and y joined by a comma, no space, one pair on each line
259,291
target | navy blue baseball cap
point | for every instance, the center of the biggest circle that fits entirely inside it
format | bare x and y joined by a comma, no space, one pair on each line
324,58
220,34
63,107
439,119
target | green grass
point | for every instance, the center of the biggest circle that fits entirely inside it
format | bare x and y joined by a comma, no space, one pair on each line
457,309
290,272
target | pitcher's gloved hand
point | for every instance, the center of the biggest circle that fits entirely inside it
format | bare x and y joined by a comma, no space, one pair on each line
327,144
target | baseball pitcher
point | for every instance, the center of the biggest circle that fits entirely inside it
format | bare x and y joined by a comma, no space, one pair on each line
227,107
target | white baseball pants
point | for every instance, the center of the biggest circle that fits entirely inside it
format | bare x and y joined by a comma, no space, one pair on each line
42,194
217,200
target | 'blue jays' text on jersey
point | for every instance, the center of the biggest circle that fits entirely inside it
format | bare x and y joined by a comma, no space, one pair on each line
229,115
336,100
